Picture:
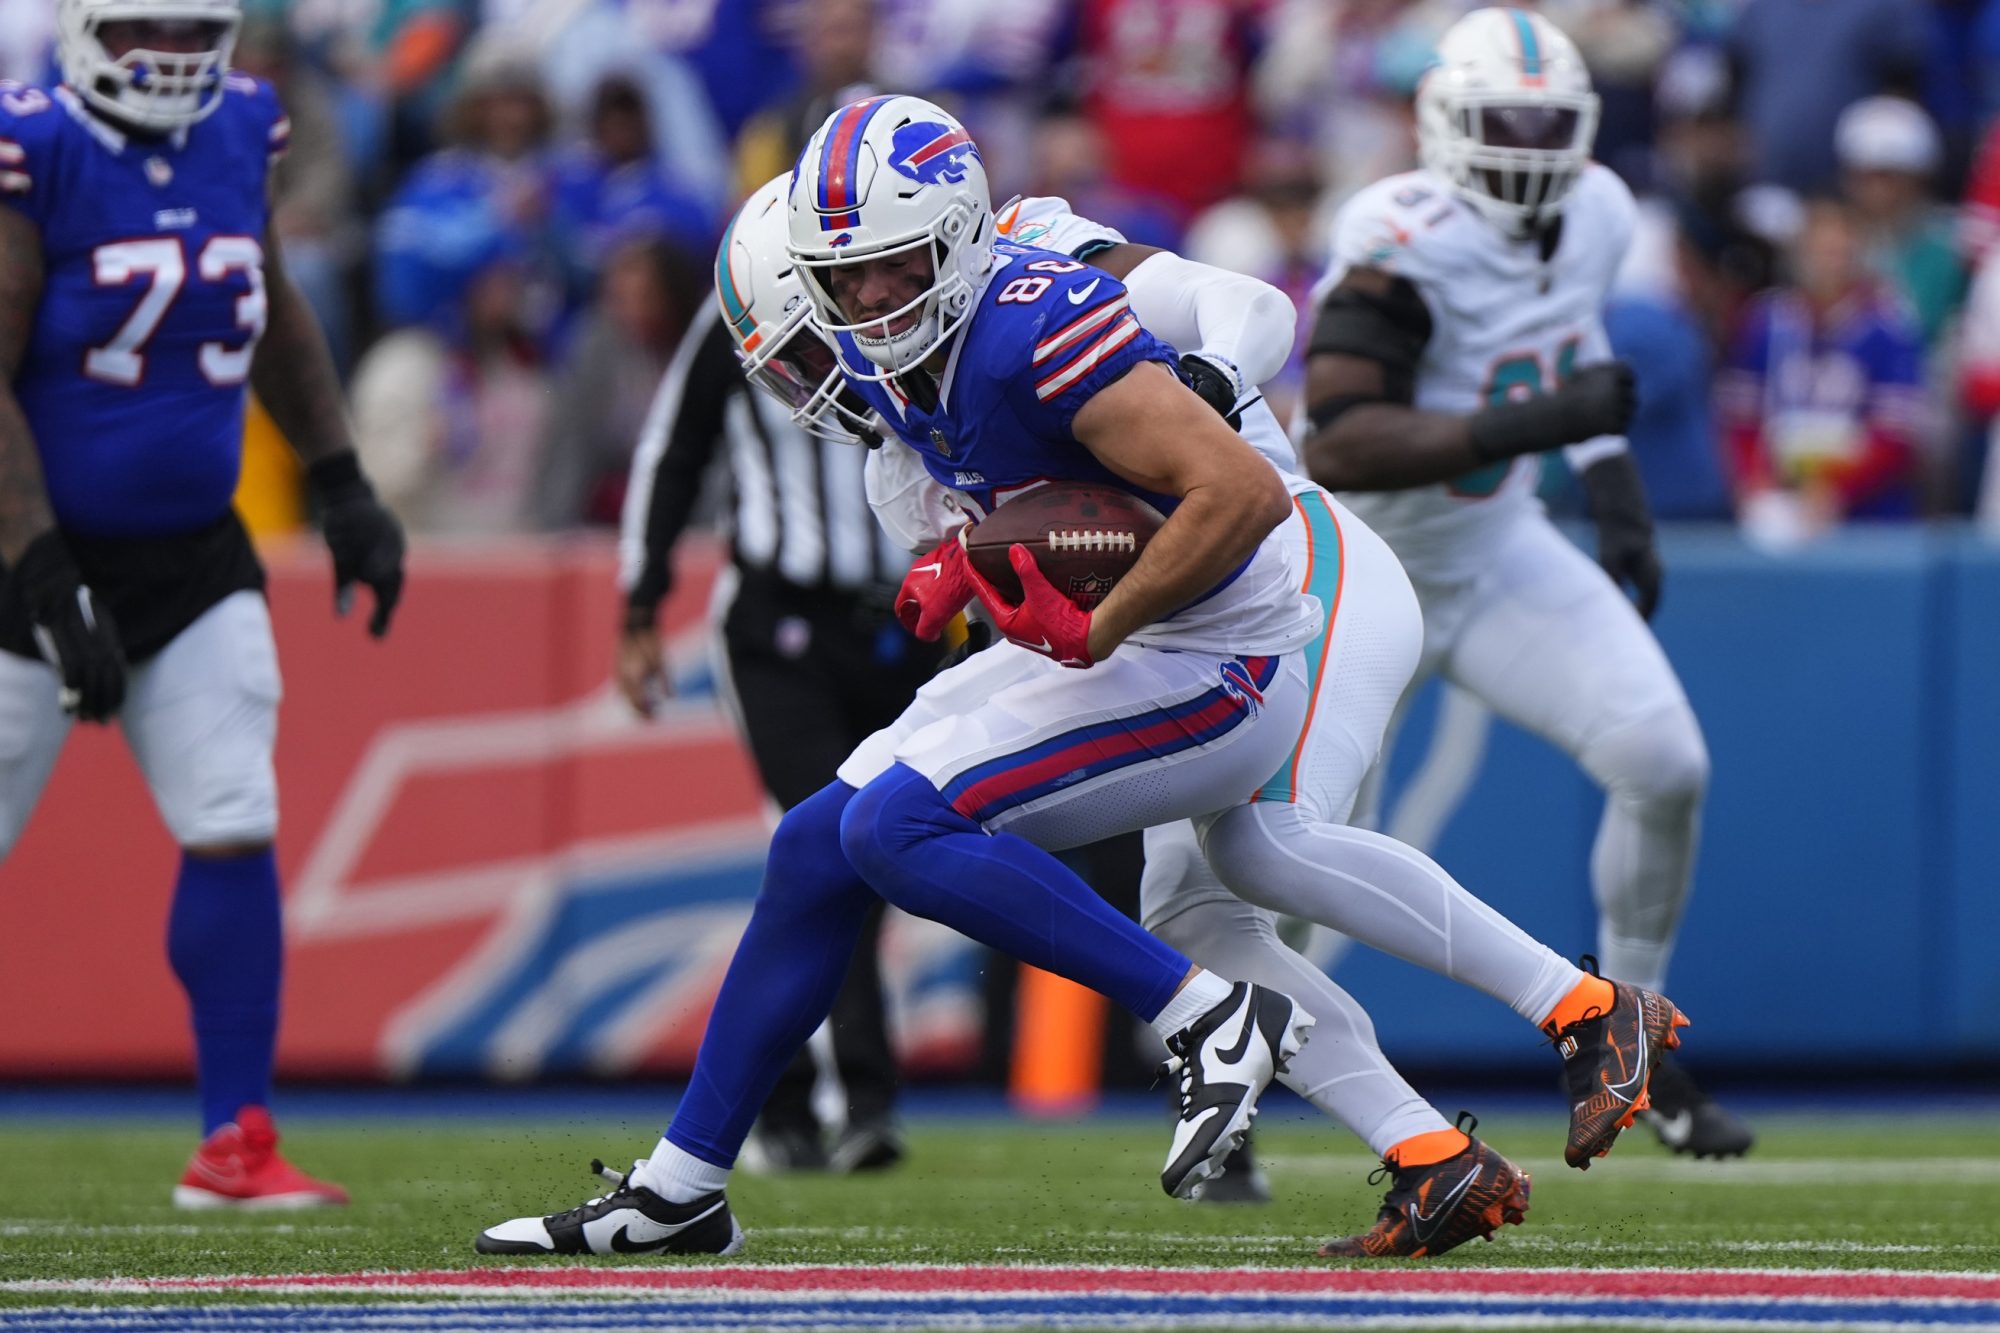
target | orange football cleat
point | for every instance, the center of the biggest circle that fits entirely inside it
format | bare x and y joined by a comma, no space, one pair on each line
1438,1207
1608,1062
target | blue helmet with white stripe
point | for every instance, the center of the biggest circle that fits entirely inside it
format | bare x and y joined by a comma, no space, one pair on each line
1507,115
888,176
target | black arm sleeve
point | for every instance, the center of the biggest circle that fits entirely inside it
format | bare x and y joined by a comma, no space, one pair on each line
1391,328
696,392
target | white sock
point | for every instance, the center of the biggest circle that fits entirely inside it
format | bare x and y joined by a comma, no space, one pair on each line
1203,991
678,1176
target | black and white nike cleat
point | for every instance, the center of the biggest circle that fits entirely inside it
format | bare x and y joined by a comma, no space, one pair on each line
1688,1120
1221,1064
629,1220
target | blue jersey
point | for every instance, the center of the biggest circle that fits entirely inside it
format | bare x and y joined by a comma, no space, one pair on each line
152,303
1046,333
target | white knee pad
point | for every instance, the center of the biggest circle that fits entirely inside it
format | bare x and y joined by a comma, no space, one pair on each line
1659,758
32,729
202,720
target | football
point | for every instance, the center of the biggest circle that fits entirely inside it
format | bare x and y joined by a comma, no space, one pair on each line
1083,537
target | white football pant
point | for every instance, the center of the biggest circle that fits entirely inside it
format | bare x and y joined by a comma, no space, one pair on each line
201,718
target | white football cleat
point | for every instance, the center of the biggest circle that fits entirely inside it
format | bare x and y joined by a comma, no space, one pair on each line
629,1220
1223,1061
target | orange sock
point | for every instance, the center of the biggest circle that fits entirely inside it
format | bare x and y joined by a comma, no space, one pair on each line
1426,1149
1588,995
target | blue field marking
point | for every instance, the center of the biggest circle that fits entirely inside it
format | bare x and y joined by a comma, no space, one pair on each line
1110,1310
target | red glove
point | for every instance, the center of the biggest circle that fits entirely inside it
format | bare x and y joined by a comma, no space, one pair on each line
1045,622
936,589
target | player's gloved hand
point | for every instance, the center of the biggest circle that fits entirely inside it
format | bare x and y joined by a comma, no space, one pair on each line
1217,383
1046,621
1625,548
73,631
937,588
364,538
1596,400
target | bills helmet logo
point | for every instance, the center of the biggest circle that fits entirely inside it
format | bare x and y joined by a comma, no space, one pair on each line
932,154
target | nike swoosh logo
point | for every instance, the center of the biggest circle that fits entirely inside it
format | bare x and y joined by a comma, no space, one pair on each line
1436,1217
934,567
1234,1055
623,1244
1638,1079
1082,294
1043,647
1676,1129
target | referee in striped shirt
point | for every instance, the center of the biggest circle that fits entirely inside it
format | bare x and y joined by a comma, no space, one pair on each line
816,661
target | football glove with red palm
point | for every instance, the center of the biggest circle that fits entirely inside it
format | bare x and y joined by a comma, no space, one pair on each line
1046,621
936,589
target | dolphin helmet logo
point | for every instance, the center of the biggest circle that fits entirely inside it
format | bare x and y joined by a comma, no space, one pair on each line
931,153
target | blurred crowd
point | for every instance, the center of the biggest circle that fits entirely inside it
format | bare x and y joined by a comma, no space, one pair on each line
504,211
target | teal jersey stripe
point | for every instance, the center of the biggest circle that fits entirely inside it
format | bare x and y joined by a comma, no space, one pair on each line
1324,534
1531,51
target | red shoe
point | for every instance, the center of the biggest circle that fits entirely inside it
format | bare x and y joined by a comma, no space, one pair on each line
238,1166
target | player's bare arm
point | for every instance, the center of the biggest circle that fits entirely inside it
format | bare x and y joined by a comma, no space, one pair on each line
292,371
1153,431
24,500
293,374
1367,435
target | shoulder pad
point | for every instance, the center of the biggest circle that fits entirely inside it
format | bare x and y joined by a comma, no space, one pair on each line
1049,222
1396,225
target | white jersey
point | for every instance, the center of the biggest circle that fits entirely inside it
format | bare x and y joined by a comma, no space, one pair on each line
1505,324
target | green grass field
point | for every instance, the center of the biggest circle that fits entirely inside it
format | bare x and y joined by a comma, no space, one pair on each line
1845,1192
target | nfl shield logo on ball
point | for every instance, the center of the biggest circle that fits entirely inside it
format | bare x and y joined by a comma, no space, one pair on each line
1087,590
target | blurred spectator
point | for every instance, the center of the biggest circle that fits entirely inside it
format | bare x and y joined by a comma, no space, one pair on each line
1068,162
411,46
1822,398
647,294
1276,231
449,417
313,199
1167,83
611,186
1798,63
836,53
1889,151
1979,368
739,50
1623,42
27,41
1702,172
1343,77
489,190
1665,333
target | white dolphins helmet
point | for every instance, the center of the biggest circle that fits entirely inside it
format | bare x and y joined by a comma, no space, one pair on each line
765,305
886,176
1507,115
150,90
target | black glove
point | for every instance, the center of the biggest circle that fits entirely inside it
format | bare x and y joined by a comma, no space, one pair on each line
1597,400
1624,528
73,631
364,538
1217,384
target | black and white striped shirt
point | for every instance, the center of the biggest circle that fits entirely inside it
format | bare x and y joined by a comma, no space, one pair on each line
800,508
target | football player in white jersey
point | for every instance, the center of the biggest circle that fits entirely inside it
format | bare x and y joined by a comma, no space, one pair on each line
1459,335
1240,329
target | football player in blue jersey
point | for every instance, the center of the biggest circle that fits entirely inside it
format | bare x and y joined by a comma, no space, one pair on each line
1194,692
141,291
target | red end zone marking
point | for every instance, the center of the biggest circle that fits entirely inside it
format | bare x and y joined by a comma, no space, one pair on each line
1642,1283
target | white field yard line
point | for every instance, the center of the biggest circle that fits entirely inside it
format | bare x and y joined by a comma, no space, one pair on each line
1668,1170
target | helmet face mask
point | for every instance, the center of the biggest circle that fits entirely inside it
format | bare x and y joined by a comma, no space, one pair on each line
765,305
1507,116
153,65
887,177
